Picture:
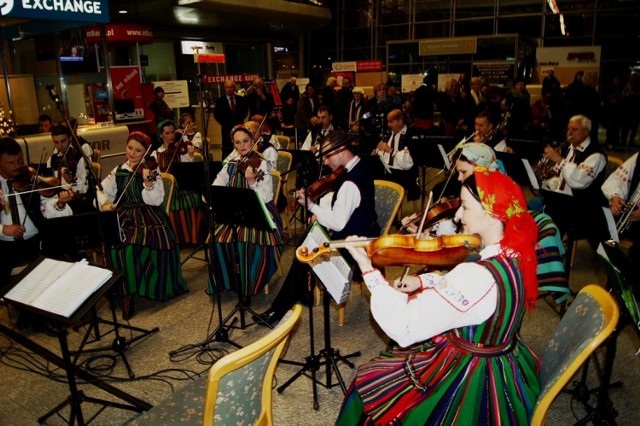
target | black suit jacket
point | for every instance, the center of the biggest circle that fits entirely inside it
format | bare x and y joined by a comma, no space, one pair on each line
227,118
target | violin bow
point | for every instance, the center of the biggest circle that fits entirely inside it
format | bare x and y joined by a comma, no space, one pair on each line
420,228
33,184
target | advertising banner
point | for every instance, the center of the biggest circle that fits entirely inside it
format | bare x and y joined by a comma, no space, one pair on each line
127,92
221,78
176,92
121,33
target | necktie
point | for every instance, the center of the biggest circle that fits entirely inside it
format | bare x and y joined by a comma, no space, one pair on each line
564,182
321,135
393,148
13,204
232,104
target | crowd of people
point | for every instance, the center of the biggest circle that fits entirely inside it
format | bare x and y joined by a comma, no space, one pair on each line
454,348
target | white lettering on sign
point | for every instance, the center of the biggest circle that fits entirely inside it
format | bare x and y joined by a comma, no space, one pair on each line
77,6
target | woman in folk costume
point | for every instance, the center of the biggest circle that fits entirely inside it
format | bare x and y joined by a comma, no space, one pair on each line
149,256
460,359
259,251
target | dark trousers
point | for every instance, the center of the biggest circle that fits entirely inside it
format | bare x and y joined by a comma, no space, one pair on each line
16,253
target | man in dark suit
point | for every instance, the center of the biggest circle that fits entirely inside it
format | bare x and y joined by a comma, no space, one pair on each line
229,111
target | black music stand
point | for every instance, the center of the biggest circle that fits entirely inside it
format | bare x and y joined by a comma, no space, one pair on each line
531,149
76,397
328,356
68,237
516,170
191,177
431,152
248,211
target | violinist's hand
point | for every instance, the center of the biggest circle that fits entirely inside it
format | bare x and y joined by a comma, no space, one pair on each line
359,254
409,284
107,207
63,198
149,177
314,148
250,175
15,231
383,146
191,150
616,204
300,197
313,219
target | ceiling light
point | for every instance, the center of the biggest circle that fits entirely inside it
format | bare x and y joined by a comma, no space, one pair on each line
123,12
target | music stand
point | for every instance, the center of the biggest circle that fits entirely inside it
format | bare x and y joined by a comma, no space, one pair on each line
248,211
76,397
517,170
531,149
69,236
431,152
191,177
375,166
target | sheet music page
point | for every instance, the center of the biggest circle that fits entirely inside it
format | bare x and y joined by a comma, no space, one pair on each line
611,224
67,293
331,269
531,174
41,277
272,224
445,157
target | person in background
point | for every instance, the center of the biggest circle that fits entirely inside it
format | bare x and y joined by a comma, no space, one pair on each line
185,212
44,123
230,110
159,107
458,346
307,108
290,95
356,109
68,165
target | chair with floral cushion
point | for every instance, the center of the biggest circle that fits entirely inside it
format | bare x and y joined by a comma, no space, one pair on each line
590,319
238,389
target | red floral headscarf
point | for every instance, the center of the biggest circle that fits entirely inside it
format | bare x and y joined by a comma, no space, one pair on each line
502,198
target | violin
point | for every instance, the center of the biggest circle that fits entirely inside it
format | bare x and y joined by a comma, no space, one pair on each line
444,251
29,181
149,163
324,185
254,160
445,209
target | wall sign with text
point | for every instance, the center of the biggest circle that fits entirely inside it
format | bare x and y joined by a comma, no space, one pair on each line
57,10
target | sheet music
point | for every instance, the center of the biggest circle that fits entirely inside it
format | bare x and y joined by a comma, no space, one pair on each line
59,287
531,174
611,224
272,224
41,277
332,270
445,157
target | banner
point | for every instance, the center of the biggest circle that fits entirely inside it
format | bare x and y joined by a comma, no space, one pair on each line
127,92
221,78
121,33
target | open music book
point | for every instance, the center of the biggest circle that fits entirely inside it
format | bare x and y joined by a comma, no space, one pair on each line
59,287
332,270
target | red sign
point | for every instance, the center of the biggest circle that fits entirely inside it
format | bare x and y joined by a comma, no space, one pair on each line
372,65
121,33
211,58
127,84
221,78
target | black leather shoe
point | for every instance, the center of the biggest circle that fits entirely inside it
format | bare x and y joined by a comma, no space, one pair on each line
269,317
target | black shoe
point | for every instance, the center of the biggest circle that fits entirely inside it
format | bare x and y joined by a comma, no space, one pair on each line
268,318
